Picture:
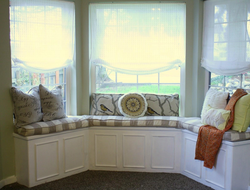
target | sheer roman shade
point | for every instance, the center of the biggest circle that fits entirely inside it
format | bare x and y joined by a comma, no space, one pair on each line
137,38
42,34
226,42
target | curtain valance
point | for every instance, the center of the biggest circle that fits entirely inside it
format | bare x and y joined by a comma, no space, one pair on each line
42,34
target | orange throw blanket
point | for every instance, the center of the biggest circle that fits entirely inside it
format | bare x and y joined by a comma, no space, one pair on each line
210,138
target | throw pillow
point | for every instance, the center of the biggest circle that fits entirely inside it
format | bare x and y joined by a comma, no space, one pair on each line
242,114
162,105
105,104
216,99
132,105
52,103
216,117
27,107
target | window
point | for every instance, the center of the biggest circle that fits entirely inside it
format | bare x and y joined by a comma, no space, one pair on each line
230,83
42,43
25,80
226,37
226,52
137,47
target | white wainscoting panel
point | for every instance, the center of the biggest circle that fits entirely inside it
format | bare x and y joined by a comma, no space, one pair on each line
191,166
162,152
217,175
133,147
106,150
73,153
47,159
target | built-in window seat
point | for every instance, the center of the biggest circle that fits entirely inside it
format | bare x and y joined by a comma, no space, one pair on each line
60,148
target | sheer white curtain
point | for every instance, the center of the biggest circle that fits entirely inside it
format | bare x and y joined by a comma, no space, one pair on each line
226,42
42,34
137,38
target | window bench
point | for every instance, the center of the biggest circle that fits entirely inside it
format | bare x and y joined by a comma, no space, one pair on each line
115,143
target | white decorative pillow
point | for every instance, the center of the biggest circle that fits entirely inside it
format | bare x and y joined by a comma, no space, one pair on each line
132,105
216,117
52,103
162,105
27,106
216,99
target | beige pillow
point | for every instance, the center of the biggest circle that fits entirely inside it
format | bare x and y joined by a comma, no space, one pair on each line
52,103
216,99
216,117
27,107
132,105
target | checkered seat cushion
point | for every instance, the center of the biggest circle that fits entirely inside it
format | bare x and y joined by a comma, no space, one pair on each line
146,121
194,123
59,125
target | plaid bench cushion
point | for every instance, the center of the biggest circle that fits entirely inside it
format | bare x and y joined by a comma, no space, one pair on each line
194,123
190,123
146,121
40,128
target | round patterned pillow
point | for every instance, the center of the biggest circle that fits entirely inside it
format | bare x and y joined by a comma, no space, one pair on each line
132,105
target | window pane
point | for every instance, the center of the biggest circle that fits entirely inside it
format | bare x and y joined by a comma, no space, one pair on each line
125,78
171,76
220,32
169,89
153,78
217,80
233,81
148,88
246,80
138,39
248,50
125,88
220,14
220,51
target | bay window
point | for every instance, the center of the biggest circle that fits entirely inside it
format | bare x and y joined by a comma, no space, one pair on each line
42,34
137,47
226,44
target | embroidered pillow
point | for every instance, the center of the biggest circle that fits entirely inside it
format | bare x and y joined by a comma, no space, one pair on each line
162,105
216,99
132,105
242,114
105,104
52,103
215,117
27,107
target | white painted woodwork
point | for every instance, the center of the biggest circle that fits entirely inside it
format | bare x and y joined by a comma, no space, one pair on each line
133,151
73,146
190,165
105,150
163,152
217,175
231,170
47,165
44,158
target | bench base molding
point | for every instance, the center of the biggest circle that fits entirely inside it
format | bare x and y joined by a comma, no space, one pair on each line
44,158
135,149
232,168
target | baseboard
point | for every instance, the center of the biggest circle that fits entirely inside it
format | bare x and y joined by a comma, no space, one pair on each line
7,181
